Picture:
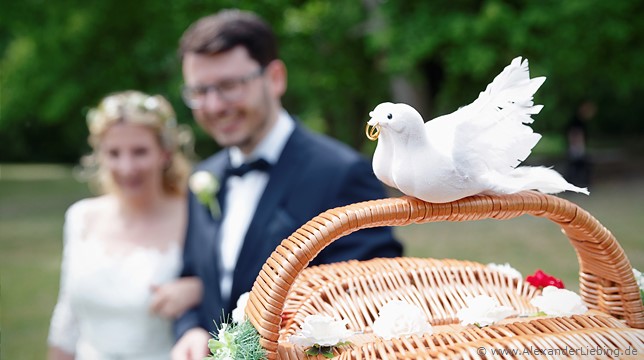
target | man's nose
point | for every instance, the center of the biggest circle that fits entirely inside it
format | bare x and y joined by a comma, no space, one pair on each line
212,102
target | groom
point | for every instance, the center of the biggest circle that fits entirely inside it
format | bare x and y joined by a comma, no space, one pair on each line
275,174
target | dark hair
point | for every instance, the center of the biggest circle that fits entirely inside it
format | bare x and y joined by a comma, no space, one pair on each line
227,29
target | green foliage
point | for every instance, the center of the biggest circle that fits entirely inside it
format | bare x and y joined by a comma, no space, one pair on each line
333,80
59,58
586,48
236,341
326,351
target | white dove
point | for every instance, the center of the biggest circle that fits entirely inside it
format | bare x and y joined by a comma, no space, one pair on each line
473,150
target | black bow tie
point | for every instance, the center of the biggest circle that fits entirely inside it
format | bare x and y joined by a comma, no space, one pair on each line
259,164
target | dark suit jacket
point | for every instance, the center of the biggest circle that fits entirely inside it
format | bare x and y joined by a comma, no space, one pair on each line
313,174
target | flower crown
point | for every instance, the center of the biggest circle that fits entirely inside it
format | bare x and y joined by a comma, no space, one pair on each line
115,106
134,104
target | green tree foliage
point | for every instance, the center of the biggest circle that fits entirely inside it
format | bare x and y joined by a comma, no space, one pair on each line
60,57
586,49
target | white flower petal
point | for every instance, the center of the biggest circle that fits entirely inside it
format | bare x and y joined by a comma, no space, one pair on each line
639,277
151,103
110,106
322,330
202,181
299,339
483,310
506,269
400,319
559,302
239,313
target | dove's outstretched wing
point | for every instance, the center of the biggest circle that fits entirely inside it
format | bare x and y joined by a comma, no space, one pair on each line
491,134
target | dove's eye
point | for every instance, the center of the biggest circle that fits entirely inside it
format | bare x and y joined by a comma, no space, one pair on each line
389,116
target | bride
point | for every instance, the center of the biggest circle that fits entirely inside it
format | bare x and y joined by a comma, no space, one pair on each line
119,291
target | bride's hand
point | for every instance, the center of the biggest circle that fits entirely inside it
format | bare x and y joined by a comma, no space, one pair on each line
171,300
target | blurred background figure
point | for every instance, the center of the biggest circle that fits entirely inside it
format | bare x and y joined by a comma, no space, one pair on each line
122,250
579,165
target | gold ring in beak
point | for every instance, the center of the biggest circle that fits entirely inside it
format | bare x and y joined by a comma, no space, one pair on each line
372,132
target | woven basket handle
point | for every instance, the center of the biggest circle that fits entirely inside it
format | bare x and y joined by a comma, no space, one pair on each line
606,278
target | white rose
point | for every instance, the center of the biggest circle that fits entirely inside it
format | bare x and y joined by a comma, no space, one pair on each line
239,314
151,103
202,182
482,310
111,106
321,330
400,319
506,269
559,302
639,278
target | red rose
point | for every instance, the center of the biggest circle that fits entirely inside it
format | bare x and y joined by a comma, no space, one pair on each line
540,279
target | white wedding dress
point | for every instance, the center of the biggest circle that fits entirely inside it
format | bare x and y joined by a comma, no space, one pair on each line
102,311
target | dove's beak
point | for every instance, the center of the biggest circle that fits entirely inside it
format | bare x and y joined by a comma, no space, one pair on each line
373,129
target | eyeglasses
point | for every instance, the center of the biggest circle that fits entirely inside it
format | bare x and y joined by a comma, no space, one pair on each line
228,90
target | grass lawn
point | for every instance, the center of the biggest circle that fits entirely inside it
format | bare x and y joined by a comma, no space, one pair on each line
33,200
32,204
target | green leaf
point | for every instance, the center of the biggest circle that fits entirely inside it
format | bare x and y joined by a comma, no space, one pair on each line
312,351
214,345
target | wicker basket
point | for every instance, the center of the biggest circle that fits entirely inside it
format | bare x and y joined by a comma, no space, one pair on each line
286,291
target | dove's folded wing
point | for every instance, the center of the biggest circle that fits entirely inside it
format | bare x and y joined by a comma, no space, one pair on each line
441,131
493,135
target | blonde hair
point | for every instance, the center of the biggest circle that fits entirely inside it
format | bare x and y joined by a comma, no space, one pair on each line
151,111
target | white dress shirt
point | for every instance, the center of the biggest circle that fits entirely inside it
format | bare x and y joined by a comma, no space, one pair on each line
243,194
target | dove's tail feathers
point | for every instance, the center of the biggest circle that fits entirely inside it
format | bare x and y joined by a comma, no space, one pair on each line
538,178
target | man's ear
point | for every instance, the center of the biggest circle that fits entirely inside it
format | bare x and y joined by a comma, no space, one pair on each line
277,77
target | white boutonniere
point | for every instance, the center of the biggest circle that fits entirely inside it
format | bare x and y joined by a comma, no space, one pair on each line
321,334
559,302
482,310
400,319
205,186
